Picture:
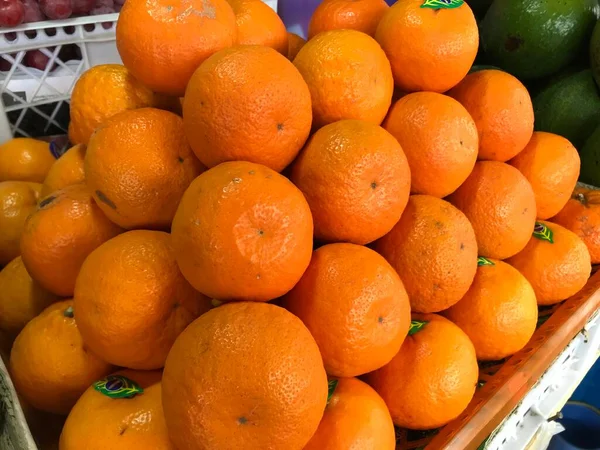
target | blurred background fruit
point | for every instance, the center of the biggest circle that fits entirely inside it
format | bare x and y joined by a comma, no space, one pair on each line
360,15
25,159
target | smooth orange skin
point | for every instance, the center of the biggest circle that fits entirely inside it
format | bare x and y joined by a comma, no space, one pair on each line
137,165
556,271
348,75
499,312
244,376
432,379
100,93
66,170
60,233
131,301
356,180
18,199
258,24
355,306
501,107
360,15
242,232
551,164
25,159
581,215
98,422
439,138
500,204
21,298
50,364
247,103
295,43
429,49
434,250
356,417
191,30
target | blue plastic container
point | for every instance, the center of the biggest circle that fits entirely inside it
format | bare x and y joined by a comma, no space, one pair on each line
582,428
589,389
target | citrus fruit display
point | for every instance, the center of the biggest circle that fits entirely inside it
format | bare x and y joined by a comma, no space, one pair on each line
355,417
434,250
555,261
17,200
500,204
348,75
227,103
354,304
131,301
499,312
439,138
242,232
25,159
249,365
60,233
52,341
284,225
551,164
581,215
442,376
120,411
356,180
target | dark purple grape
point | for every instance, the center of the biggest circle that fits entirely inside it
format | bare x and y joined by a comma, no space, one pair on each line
83,7
57,9
33,13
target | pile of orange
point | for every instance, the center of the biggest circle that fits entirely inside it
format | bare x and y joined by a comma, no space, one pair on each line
259,216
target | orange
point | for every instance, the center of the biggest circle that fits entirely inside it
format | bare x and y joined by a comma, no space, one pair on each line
555,261
434,250
499,312
60,233
355,306
66,170
21,298
581,215
360,15
432,379
439,138
242,232
244,376
356,417
247,103
25,159
502,110
348,75
131,301
429,49
191,31
49,364
100,93
258,24
17,200
551,164
137,165
500,204
295,43
101,420
356,180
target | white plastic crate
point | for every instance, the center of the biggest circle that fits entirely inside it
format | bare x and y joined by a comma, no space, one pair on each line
34,101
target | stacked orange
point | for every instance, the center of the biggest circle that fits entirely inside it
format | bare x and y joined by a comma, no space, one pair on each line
186,248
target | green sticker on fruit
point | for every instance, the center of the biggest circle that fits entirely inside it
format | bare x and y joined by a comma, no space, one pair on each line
331,389
481,261
437,4
416,326
117,386
543,233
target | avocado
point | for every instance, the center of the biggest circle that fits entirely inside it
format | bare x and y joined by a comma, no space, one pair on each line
569,107
595,53
479,7
536,38
590,159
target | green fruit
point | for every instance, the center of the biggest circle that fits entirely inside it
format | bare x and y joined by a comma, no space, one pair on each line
536,38
595,53
590,160
569,107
